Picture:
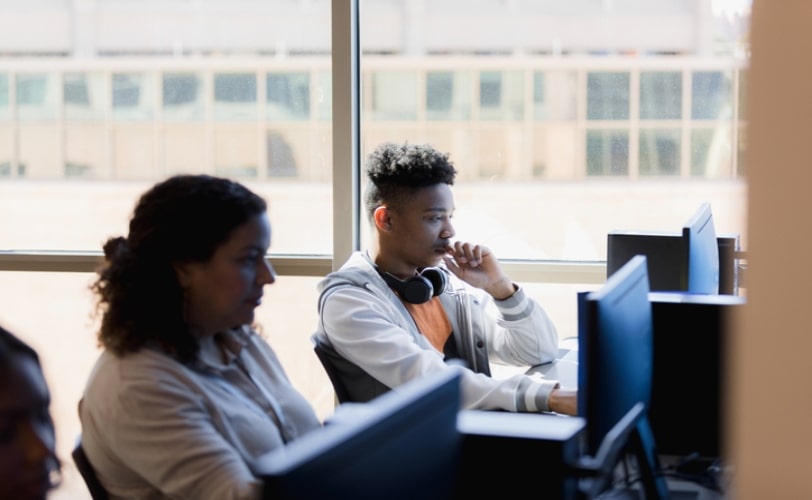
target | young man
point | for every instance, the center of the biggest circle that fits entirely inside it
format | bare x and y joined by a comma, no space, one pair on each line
419,302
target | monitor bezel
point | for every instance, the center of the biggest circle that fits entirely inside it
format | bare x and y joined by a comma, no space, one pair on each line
403,444
701,249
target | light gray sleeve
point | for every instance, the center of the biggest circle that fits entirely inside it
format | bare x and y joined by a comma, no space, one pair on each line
518,330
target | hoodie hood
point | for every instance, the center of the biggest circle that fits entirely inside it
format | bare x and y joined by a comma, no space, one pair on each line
358,271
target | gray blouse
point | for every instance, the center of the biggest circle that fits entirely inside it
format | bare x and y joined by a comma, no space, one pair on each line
153,427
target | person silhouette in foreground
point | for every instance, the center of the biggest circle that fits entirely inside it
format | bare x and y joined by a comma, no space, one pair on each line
29,467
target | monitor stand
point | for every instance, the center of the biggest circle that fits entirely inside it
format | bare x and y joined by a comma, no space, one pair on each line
648,461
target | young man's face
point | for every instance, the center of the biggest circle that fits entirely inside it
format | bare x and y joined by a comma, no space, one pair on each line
420,228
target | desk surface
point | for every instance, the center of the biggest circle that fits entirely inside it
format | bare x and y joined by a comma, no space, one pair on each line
564,368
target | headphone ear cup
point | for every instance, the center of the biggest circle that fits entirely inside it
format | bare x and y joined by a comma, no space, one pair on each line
437,278
416,290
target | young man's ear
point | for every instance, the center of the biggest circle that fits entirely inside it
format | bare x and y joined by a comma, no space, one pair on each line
382,218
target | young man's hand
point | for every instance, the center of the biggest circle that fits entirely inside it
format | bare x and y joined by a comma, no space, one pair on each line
564,401
478,266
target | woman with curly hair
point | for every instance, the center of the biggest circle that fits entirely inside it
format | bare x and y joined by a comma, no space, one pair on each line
186,393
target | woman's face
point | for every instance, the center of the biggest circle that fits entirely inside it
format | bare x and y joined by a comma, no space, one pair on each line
223,292
27,438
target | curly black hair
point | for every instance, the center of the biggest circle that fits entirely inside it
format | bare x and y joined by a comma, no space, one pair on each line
397,171
182,219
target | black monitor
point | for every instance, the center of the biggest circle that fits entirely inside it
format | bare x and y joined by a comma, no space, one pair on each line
401,445
615,365
694,259
702,252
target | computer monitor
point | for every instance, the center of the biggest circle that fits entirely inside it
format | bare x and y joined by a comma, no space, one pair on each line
702,252
694,259
615,365
402,445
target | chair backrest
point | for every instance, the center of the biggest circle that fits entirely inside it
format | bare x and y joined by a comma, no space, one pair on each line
324,354
97,491
351,383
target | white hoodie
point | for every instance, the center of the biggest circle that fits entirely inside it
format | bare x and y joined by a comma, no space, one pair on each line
366,323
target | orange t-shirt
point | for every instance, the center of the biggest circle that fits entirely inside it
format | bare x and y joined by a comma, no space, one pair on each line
432,321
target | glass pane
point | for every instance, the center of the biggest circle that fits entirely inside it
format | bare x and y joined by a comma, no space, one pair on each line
607,152
7,153
183,97
184,148
599,121
283,160
448,95
37,96
235,97
394,95
236,151
134,96
660,95
554,95
607,96
555,151
711,95
39,150
84,151
501,95
132,109
659,152
288,96
711,152
84,96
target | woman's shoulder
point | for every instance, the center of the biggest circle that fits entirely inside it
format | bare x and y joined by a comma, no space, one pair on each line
145,367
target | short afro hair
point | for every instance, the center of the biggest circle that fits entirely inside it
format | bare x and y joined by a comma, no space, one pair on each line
397,171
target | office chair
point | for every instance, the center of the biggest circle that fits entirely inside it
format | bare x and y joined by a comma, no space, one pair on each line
94,486
324,353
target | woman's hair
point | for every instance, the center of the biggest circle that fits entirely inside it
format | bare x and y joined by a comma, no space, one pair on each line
182,219
397,171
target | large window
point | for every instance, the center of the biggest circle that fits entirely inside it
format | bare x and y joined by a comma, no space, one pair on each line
560,133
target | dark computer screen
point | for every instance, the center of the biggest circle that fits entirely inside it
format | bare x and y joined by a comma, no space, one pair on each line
615,350
702,252
615,363
402,445
693,259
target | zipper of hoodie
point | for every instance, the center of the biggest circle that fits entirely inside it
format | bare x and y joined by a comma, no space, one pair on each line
464,320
